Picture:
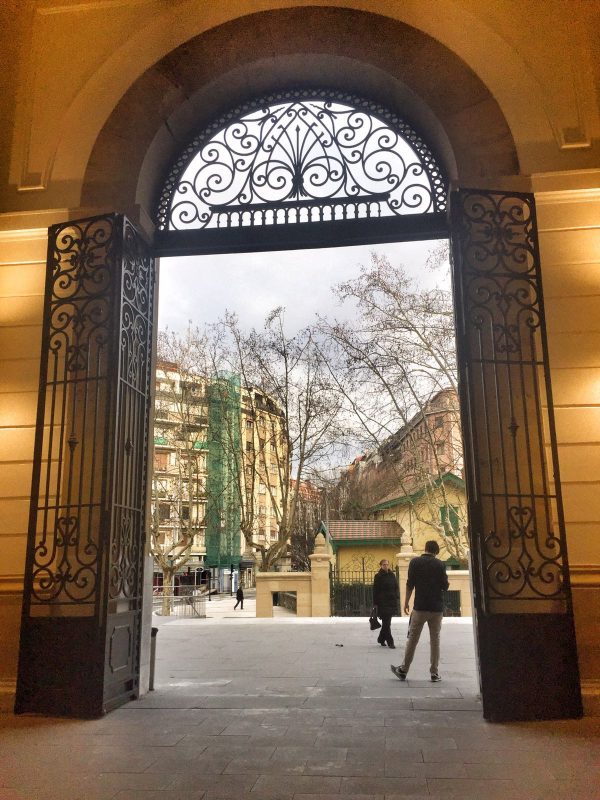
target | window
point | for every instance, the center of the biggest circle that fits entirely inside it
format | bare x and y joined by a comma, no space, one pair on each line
439,422
262,511
249,424
161,461
261,421
262,488
249,447
440,448
273,466
161,411
164,512
185,512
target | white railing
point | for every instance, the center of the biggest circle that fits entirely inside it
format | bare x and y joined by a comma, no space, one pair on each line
191,605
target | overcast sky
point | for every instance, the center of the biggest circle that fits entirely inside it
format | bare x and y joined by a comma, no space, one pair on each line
201,289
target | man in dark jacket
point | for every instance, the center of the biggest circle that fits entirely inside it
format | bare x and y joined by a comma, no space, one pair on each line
427,576
239,596
386,596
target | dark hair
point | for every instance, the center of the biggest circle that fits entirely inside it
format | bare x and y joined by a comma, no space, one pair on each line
432,547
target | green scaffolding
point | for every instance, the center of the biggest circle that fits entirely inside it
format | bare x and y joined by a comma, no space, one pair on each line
223,511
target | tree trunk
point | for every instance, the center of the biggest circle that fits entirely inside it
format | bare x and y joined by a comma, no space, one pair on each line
168,591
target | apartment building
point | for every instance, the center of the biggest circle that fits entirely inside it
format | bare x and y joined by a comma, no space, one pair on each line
219,468
266,471
178,484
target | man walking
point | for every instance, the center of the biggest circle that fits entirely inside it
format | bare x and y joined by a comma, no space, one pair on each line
239,596
427,576
386,596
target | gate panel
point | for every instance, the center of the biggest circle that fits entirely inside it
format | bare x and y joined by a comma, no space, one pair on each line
522,595
80,628
351,592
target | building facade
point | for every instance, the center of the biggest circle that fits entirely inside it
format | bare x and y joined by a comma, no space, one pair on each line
415,478
219,464
178,491
266,471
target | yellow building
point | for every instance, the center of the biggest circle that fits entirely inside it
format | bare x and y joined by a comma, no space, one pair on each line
359,545
266,468
422,515
502,98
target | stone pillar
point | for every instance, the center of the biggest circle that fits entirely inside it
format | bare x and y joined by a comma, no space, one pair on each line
403,558
320,561
264,598
460,580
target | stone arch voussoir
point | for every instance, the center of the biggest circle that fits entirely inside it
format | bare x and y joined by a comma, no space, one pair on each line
375,56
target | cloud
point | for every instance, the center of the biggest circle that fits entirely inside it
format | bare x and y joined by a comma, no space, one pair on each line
201,288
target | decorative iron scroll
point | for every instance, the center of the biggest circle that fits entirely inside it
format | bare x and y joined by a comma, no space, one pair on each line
89,472
72,420
515,507
128,534
301,156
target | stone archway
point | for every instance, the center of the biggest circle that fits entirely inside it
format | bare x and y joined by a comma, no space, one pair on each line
128,177
346,50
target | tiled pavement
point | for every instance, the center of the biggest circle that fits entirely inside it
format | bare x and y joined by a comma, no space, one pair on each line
250,709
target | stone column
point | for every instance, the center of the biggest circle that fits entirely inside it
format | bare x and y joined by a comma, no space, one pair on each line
264,598
403,558
320,561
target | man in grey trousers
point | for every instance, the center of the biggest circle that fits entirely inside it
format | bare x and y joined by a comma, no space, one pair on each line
427,577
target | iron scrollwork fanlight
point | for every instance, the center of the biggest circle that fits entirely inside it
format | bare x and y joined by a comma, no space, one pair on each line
301,156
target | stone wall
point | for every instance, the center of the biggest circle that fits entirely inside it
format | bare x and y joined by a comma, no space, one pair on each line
568,209
311,588
22,273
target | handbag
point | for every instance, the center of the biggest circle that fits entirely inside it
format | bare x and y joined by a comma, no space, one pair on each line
373,621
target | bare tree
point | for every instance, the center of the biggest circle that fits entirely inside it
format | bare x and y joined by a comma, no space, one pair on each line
395,367
311,509
178,515
293,413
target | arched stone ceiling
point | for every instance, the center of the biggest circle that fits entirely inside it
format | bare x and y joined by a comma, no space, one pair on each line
377,57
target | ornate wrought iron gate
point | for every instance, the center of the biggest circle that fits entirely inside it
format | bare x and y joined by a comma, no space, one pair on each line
524,618
351,592
80,634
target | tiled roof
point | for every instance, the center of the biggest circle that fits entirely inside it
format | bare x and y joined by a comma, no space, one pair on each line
363,529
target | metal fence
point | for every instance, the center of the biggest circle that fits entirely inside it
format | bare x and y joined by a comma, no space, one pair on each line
352,594
188,605
452,603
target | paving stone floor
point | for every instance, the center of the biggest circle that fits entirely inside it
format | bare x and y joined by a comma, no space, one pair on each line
248,709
